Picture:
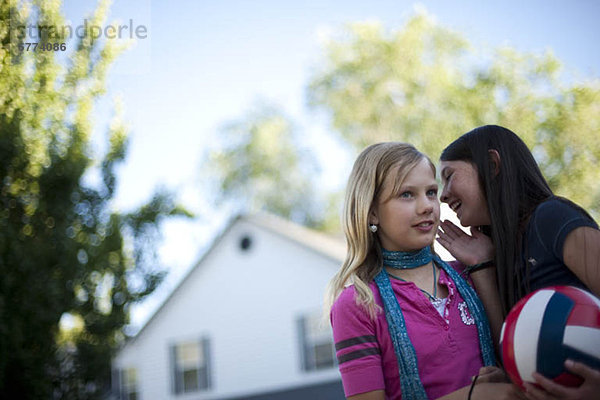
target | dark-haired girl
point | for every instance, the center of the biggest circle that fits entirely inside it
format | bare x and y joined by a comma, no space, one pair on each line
520,229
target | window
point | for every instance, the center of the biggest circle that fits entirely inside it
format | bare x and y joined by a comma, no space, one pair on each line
189,363
316,341
125,384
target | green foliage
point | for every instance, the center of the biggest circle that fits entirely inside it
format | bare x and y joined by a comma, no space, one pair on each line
423,84
258,165
63,251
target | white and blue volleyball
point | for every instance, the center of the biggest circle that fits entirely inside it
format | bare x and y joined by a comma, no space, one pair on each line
546,328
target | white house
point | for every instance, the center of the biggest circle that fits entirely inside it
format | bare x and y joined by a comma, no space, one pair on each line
243,324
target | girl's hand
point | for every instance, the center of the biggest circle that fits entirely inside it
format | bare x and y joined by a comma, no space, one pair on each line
492,374
589,389
468,249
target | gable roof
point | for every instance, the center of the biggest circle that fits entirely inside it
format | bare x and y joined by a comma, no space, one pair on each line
326,245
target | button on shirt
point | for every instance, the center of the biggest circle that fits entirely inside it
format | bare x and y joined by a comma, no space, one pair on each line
447,348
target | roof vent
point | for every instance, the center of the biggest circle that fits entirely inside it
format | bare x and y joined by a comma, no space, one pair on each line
245,243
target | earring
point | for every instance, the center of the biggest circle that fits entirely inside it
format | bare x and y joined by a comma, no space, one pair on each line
373,228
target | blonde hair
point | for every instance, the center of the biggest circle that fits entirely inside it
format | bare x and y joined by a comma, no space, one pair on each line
365,185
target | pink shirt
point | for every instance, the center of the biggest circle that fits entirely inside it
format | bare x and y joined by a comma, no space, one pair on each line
447,348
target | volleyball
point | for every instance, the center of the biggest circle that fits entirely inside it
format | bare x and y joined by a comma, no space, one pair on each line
546,328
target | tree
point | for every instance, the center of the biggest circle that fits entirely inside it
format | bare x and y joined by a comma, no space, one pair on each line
423,84
63,251
258,164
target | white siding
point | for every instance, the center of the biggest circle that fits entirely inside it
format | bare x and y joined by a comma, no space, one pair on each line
247,304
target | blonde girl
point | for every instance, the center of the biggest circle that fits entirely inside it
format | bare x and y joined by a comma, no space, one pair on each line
405,324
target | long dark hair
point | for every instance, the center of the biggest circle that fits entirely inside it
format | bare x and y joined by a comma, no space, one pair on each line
512,194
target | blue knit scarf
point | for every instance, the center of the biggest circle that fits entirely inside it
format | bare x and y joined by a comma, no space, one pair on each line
410,382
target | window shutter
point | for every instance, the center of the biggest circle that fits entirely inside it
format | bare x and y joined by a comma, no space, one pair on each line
116,383
176,378
304,359
206,379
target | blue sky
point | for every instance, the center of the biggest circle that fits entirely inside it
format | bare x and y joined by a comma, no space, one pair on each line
204,63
